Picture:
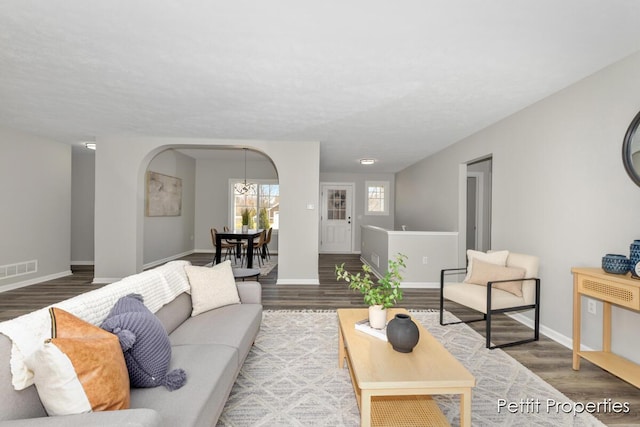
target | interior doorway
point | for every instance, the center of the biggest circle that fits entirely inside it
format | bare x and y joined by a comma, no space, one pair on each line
478,223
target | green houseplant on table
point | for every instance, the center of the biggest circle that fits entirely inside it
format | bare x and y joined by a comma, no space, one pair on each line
246,215
379,296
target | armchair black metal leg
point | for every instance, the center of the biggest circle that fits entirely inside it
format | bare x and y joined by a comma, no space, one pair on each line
537,312
442,274
442,297
488,331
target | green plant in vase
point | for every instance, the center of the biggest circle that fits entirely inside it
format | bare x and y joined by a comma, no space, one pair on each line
380,295
246,218
263,219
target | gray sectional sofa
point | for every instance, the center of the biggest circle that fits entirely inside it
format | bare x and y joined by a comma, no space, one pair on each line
211,347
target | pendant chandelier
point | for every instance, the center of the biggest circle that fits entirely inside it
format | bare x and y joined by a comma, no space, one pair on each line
245,187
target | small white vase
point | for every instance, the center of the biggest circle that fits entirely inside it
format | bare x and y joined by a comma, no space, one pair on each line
245,228
377,316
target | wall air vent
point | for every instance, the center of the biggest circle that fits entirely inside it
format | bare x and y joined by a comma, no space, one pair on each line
18,269
375,259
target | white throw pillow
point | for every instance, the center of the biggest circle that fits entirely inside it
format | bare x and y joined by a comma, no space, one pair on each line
211,287
497,258
58,386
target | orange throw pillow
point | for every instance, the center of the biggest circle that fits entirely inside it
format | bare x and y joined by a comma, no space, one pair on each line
80,369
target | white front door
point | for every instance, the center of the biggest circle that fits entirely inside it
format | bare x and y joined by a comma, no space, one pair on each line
336,231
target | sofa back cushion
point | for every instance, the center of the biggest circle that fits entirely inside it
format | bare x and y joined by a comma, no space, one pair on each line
175,313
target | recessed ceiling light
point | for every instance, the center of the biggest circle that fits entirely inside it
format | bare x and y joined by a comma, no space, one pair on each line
367,161
90,145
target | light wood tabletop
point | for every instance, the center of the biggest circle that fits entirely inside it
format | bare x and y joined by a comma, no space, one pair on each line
378,370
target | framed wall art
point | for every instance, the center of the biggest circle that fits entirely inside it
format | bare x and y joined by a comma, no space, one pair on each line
164,195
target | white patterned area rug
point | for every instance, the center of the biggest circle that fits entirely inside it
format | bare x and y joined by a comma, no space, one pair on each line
291,378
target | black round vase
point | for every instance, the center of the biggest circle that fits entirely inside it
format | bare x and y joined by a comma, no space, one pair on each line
402,333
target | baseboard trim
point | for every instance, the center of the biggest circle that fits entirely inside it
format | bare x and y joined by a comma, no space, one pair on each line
22,284
105,280
82,263
165,260
548,332
297,282
419,285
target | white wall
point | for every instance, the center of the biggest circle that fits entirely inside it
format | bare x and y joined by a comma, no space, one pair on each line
436,248
36,177
168,237
121,163
360,219
83,167
212,194
560,190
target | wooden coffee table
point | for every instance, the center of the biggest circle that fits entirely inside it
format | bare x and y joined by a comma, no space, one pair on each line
394,388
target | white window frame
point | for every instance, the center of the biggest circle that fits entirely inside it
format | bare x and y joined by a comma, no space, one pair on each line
232,182
385,202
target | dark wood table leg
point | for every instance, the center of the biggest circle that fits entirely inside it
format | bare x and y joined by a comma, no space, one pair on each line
218,248
250,252
238,250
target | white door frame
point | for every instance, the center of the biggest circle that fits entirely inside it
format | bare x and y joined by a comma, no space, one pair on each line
324,185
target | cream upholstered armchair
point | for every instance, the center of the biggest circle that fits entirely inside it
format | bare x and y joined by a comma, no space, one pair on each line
495,282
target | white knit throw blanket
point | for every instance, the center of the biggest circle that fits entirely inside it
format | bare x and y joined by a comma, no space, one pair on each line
158,287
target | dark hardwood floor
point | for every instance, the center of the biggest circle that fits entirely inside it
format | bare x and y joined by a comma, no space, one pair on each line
548,359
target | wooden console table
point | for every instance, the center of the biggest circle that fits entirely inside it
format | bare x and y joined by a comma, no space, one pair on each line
611,289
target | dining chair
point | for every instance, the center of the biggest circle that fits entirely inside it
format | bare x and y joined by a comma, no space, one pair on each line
229,248
230,241
267,241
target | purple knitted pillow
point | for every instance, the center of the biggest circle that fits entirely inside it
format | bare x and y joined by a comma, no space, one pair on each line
145,343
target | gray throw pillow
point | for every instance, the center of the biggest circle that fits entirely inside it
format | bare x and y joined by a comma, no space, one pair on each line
145,344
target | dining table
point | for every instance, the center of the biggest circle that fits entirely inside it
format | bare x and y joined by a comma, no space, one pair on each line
237,236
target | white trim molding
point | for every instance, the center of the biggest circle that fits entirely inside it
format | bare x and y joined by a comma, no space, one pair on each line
11,286
297,282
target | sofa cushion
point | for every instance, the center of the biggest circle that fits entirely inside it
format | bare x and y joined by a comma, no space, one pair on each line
475,297
80,369
16,404
495,257
212,373
177,311
212,287
145,344
484,272
235,326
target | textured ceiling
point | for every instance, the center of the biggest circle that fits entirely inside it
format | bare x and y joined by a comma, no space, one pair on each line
393,80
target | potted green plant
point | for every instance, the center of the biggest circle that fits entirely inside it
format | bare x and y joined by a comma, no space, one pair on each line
246,215
379,296
263,219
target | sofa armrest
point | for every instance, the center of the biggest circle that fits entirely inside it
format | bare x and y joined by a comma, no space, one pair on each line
250,292
141,417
